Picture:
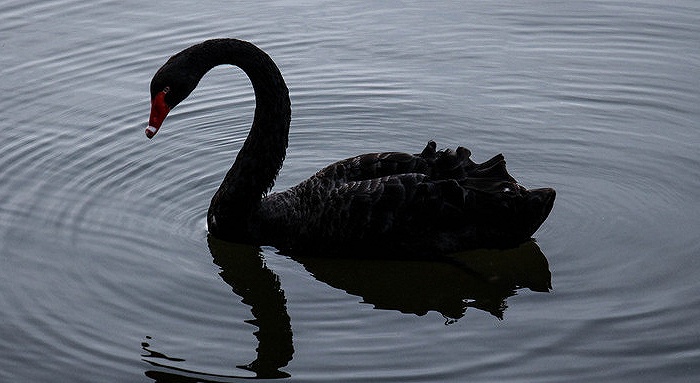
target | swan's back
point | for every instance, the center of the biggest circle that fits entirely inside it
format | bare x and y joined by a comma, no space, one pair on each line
400,204
438,165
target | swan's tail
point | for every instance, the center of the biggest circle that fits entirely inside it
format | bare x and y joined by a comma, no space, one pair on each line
540,203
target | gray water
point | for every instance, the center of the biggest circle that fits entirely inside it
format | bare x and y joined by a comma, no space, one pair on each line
107,272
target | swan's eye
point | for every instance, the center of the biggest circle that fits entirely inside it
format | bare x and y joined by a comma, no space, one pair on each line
166,89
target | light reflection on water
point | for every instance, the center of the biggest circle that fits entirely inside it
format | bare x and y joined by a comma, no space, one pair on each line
107,269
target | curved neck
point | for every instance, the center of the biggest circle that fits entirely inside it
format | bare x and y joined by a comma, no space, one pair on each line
259,160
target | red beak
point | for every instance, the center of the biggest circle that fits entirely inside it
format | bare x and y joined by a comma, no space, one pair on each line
159,110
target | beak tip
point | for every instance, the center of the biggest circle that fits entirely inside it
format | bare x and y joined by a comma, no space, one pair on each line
151,131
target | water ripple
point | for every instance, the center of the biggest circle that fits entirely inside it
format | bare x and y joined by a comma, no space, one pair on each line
102,231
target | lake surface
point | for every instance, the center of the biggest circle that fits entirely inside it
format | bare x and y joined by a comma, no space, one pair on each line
108,274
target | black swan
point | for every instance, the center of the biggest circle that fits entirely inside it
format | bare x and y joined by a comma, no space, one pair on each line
387,204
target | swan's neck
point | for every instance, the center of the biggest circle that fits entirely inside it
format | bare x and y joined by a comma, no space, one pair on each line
259,160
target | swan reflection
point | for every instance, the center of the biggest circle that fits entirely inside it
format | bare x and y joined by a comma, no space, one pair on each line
480,279
243,268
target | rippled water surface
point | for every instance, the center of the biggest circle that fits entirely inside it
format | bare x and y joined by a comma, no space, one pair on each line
108,275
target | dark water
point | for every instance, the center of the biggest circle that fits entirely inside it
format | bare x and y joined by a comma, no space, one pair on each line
107,273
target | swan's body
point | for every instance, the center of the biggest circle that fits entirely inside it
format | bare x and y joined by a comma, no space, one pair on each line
426,204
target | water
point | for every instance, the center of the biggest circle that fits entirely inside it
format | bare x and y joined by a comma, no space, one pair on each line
107,272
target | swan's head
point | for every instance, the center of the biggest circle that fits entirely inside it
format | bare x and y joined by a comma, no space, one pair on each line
173,82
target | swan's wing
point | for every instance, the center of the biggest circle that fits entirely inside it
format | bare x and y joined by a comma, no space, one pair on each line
439,165
405,214
373,165
403,206
447,203
373,211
